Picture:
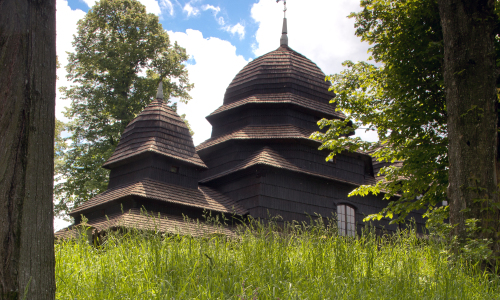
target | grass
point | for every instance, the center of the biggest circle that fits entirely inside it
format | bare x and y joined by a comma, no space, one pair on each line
306,262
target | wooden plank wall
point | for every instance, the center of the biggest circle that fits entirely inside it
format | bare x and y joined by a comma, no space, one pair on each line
304,156
155,167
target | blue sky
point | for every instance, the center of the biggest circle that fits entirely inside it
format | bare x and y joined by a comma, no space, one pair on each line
205,16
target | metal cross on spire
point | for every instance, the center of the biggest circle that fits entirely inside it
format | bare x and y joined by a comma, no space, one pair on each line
284,36
284,3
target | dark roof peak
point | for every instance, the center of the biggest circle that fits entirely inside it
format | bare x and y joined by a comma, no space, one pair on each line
157,129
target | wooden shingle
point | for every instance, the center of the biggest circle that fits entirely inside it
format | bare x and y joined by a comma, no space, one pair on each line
135,218
280,71
260,132
203,197
156,129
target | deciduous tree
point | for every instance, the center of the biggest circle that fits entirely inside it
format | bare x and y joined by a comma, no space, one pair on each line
470,78
443,137
400,96
121,53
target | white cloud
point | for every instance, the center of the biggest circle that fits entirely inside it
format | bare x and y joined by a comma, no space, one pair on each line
66,28
220,21
90,3
214,9
151,5
216,64
236,29
167,5
190,10
318,29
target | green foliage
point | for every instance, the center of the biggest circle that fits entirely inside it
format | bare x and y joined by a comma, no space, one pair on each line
474,249
59,145
302,262
401,97
121,54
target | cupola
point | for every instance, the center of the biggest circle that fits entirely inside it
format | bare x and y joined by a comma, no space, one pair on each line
156,145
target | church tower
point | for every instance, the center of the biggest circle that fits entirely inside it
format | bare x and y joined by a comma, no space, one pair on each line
260,153
154,173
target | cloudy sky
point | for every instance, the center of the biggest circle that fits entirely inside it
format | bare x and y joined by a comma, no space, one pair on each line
222,36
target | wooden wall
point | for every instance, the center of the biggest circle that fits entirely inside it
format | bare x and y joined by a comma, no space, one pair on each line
156,167
265,190
307,157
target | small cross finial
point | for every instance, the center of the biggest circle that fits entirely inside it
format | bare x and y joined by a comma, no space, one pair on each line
284,32
284,3
159,92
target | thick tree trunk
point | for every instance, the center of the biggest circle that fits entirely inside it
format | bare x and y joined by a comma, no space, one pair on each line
27,104
470,80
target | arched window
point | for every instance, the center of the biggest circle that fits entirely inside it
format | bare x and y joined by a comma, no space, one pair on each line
346,220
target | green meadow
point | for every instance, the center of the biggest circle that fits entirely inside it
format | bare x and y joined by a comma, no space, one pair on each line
267,262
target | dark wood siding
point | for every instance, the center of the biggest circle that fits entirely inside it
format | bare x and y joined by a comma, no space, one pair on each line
155,167
304,156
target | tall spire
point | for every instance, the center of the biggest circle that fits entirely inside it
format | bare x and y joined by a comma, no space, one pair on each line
159,93
284,36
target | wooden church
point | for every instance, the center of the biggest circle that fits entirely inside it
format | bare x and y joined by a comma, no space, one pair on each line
259,161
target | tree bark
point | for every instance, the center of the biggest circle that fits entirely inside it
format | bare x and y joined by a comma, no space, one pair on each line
27,104
470,82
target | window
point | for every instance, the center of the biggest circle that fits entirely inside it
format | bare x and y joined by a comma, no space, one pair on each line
346,220
174,169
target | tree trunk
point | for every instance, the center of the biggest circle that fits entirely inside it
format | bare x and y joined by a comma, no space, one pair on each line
470,81
27,104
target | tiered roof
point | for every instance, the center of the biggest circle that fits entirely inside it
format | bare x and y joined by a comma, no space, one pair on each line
273,132
269,157
157,129
283,79
203,197
277,72
304,103
139,219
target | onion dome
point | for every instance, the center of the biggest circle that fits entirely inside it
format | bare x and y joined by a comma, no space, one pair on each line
281,71
157,129
276,97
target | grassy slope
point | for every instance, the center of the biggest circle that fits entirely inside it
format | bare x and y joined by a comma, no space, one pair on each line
308,263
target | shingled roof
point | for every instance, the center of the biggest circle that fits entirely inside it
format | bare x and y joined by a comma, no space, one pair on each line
260,132
135,218
157,129
269,157
203,197
325,109
280,71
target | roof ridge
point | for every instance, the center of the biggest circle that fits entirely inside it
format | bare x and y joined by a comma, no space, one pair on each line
295,132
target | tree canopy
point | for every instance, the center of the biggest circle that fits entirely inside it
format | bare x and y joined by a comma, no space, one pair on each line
401,96
121,54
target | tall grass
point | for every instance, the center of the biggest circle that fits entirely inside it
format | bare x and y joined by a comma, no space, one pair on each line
300,262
